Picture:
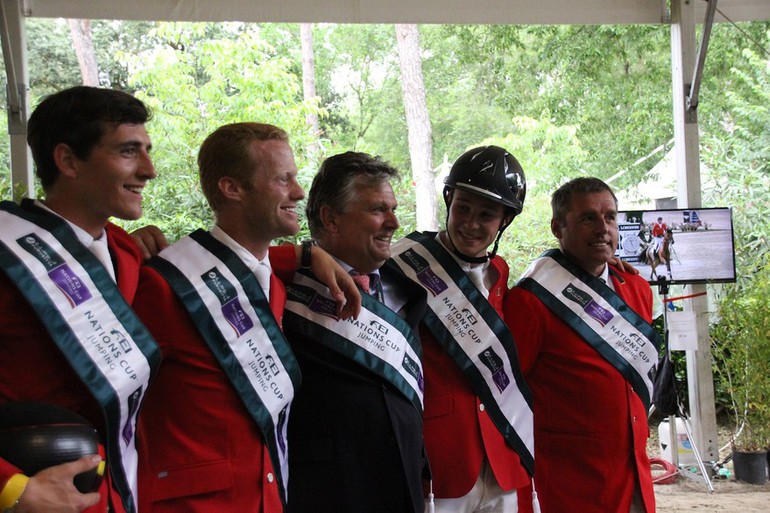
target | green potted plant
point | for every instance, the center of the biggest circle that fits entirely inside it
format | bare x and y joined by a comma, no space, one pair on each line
741,338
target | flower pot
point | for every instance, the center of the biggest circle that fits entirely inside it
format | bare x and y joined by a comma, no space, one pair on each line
750,467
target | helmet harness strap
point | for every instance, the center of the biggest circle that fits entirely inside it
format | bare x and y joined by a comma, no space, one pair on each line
465,258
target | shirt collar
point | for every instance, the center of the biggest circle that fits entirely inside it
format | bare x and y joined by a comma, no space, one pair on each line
244,254
83,236
605,276
348,268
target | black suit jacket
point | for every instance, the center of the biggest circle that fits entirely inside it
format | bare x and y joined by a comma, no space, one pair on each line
355,442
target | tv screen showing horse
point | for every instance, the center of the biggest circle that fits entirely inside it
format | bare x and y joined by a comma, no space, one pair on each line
684,245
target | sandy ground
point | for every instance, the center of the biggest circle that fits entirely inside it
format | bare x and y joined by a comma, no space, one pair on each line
729,496
690,495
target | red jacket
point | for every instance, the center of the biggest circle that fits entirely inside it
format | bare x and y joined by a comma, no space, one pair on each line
590,426
458,432
200,450
33,368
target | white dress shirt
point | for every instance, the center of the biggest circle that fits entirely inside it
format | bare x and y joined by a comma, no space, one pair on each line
260,268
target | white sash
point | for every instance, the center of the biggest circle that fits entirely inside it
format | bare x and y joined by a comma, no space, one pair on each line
230,310
379,339
90,322
474,335
599,316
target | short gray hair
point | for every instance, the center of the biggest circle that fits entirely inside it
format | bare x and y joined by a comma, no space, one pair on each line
562,197
336,181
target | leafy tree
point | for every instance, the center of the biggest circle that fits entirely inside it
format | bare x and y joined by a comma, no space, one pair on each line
738,171
357,78
418,124
611,82
196,82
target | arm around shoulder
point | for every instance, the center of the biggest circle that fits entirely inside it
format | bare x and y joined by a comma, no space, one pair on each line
525,318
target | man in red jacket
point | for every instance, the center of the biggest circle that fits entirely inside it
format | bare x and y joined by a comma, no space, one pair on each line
67,334
658,233
478,417
582,328
213,428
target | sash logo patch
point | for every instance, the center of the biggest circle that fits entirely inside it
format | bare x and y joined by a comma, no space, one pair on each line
495,364
133,406
425,274
590,307
413,368
232,310
58,271
310,298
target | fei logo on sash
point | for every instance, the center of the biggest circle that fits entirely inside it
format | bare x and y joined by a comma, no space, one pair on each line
313,300
590,307
495,364
58,271
413,368
424,273
228,297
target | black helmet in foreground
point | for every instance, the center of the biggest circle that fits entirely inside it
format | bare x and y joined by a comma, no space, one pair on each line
492,172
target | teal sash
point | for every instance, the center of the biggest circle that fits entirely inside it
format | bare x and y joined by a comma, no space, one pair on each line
596,313
474,336
379,339
232,314
90,322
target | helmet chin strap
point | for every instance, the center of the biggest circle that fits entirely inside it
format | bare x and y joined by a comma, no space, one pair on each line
500,231
464,257
497,242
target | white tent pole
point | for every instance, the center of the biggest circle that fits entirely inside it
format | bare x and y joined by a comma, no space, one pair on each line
14,43
687,160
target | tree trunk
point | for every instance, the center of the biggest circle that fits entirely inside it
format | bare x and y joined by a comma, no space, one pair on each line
84,49
418,125
308,73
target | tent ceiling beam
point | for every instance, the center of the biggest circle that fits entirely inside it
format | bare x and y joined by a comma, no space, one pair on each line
700,60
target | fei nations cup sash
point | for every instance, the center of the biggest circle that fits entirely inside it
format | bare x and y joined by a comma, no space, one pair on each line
90,322
232,314
599,316
379,339
474,336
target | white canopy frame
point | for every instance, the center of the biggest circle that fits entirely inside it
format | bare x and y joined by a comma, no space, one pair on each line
687,65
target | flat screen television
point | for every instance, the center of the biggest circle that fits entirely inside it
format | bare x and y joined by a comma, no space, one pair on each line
699,244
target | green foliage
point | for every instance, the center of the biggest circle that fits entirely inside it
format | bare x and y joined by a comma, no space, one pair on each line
738,175
741,341
565,100
610,82
528,236
53,65
357,78
201,78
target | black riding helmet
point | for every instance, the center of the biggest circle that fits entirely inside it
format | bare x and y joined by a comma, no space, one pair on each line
493,173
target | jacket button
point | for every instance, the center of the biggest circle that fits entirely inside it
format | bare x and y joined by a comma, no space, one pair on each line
270,477
481,407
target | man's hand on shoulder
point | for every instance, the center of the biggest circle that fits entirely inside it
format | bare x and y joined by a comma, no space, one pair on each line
623,265
150,240
342,287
